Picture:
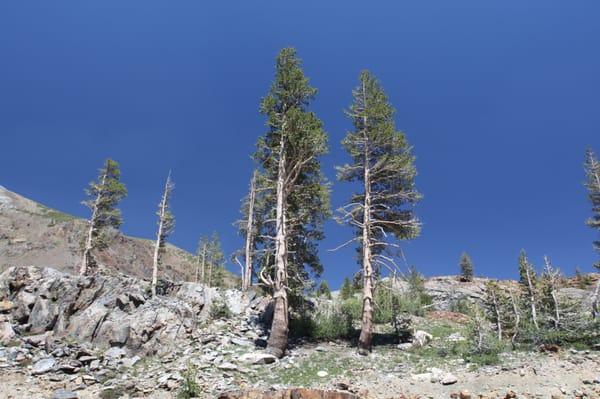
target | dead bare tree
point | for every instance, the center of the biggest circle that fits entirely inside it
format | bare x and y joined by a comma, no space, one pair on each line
551,278
527,276
166,223
250,233
517,316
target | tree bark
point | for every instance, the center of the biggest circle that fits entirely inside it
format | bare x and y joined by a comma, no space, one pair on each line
277,343
203,270
366,333
83,269
513,339
595,300
497,311
159,237
532,299
247,272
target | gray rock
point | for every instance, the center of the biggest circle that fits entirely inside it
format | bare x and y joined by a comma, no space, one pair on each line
449,379
115,353
257,358
227,366
64,394
43,366
131,361
241,342
7,333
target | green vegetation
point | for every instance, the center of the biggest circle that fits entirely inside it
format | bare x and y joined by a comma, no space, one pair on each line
219,310
323,290
189,387
466,267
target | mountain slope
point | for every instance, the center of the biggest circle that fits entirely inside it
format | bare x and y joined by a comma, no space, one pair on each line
34,235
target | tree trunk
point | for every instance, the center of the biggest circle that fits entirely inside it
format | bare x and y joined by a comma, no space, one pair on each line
595,300
556,308
247,272
203,270
532,299
277,342
513,339
210,270
366,332
497,311
159,237
83,269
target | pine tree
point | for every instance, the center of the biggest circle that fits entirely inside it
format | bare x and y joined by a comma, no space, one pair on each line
323,290
383,163
104,195
297,200
592,170
166,224
346,290
215,262
466,267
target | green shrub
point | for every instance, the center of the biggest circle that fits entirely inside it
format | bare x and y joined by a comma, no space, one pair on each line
330,322
353,308
189,387
219,310
460,305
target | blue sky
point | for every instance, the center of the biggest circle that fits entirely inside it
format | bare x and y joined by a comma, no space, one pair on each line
499,99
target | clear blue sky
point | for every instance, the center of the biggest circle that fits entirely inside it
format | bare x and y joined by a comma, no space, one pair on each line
499,99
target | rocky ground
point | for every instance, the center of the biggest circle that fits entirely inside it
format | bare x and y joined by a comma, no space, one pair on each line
69,337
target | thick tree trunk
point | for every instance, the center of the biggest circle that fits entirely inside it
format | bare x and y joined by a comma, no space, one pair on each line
532,299
87,250
366,333
247,272
159,238
277,343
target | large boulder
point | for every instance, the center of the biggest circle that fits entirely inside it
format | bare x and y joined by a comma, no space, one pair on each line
105,310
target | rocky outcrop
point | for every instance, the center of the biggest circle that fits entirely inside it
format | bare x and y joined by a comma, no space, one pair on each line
447,292
106,311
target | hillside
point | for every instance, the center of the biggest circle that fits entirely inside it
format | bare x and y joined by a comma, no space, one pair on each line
32,234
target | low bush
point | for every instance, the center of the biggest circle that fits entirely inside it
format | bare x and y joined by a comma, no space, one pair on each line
189,387
219,310
330,322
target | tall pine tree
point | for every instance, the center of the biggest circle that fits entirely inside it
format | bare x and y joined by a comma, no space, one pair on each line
383,163
103,197
298,198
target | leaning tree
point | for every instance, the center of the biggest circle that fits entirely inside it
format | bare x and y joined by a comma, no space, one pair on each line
295,202
103,196
382,211
166,224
